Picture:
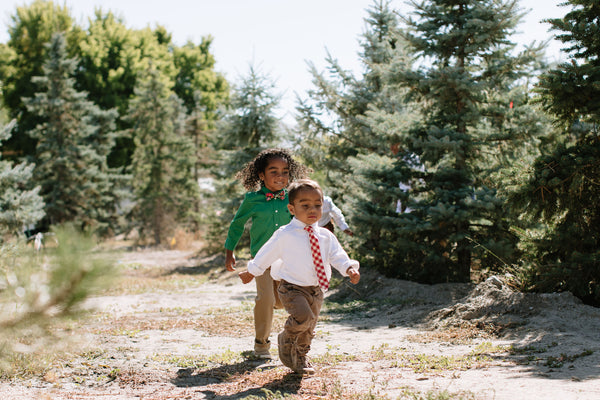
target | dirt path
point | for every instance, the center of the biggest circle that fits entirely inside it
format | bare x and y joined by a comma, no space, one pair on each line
177,326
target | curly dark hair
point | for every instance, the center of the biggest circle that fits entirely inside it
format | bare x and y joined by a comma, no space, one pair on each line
249,174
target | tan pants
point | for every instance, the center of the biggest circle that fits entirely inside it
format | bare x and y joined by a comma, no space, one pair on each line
266,300
303,303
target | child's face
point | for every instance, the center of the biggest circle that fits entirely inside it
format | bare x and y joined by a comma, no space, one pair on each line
276,175
307,206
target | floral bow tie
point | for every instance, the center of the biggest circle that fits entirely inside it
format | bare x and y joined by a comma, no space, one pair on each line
270,196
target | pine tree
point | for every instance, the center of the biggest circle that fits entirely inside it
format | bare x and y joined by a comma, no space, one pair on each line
564,188
163,159
20,204
73,139
248,127
456,219
354,127
32,26
332,118
251,122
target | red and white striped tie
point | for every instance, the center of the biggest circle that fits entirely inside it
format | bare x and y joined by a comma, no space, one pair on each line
315,249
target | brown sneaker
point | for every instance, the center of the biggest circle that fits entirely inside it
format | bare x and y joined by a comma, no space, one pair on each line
265,354
261,350
303,367
285,351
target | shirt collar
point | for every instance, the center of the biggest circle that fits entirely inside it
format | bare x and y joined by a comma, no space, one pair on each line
264,190
299,224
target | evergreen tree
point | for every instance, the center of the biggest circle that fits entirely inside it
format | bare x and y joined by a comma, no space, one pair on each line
332,118
20,204
248,127
251,122
73,139
564,187
456,220
351,136
31,29
163,160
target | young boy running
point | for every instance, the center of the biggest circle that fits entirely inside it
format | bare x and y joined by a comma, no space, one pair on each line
307,253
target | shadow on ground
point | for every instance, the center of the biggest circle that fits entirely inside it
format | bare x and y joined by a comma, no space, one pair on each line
289,384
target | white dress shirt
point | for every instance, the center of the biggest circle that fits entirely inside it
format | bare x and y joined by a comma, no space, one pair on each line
288,253
331,211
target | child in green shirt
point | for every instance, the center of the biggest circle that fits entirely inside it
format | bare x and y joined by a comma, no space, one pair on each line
266,178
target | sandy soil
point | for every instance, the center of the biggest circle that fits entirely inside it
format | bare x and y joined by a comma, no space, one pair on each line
182,328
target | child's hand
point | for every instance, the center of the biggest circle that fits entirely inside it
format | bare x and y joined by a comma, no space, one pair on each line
353,274
246,277
229,260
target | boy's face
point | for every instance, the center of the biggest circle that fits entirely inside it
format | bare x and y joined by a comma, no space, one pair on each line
276,175
307,206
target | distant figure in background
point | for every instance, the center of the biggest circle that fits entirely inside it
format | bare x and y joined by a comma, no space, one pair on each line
332,213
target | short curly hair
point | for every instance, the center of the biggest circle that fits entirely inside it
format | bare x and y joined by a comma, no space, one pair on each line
249,174
303,184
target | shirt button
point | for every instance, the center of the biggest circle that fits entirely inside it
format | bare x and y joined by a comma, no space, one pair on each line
276,211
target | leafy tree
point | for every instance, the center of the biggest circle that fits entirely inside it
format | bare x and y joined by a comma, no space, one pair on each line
20,204
112,58
31,29
73,138
564,186
204,92
162,166
196,82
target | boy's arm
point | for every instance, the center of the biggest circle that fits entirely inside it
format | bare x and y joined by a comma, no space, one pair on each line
229,260
267,255
339,259
353,274
236,229
338,218
246,277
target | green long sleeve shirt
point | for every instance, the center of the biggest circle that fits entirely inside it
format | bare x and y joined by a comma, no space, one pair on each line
267,217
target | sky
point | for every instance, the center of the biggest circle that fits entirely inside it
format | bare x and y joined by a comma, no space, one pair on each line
277,36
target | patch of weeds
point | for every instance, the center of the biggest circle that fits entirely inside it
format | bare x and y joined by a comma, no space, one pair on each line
181,361
527,350
410,394
25,365
268,395
201,361
130,333
333,358
93,354
489,348
558,362
426,362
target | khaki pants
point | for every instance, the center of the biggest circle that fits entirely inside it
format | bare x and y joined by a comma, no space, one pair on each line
303,303
266,300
